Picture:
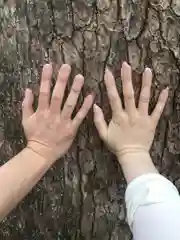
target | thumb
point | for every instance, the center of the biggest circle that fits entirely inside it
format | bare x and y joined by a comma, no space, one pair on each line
27,108
100,122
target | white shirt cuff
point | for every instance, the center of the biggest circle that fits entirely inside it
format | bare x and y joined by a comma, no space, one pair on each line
148,189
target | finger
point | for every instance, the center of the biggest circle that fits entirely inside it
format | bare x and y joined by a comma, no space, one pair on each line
128,90
83,111
27,105
100,122
145,91
44,94
73,97
112,92
160,106
58,92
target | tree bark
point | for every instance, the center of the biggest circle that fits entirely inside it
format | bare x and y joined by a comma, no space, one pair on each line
82,196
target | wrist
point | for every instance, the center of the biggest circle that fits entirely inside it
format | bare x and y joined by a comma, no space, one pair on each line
42,150
131,149
136,163
36,158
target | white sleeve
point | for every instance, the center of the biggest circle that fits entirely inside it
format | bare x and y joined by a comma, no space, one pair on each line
153,208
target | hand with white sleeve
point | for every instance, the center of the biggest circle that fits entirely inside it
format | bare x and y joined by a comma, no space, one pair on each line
152,201
131,130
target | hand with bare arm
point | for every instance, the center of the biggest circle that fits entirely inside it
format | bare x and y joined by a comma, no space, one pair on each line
50,132
151,200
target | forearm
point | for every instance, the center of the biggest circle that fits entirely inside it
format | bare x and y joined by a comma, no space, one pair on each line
135,164
152,201
18,176
153,204
158,221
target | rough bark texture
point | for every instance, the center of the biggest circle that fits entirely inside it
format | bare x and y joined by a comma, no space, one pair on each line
82,196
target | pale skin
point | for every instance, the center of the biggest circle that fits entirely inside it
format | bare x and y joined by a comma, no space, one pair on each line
51,131
131,130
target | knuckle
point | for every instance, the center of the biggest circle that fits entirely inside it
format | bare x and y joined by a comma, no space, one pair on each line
118,116
129,95
56,98
144,99
69,105
44,93
63,78
42,114
75,90
116,121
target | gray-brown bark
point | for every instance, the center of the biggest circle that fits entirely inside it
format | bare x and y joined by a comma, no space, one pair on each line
82,196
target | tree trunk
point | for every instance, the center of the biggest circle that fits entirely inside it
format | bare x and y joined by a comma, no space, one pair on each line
82,196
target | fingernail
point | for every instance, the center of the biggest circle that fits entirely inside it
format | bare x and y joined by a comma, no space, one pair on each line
125,63
47,65
66,67
166,89
107,70
27,91
166,92
148,69
95,107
